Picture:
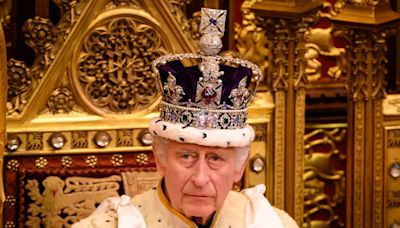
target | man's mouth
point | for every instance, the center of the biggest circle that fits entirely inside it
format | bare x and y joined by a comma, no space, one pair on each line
199,197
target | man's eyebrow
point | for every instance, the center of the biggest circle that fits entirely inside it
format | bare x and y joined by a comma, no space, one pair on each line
217,152
183,150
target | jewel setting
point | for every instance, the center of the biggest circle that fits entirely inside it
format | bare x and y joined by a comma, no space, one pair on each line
207,111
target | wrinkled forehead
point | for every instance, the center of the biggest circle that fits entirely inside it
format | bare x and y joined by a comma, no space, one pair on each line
178,146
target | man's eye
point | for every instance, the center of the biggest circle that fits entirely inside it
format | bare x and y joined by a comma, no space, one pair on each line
215,161
187,156
215,158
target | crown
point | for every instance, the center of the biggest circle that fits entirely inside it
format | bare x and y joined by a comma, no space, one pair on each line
213,94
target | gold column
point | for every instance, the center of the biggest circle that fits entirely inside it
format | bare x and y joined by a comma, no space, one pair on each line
368,23
285,23
3,99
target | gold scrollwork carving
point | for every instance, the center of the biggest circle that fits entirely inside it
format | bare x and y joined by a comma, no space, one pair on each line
321,148
277,29
72,11
64,202
40,36
320,43
124,3
360,49
61,101
114,67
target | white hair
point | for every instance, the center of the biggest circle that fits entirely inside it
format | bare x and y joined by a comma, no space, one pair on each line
160,145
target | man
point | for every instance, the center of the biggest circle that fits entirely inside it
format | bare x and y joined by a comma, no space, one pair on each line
201,146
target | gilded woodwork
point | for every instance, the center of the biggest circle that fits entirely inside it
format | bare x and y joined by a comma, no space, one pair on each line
391,184
3,94
19,86
285,25
5,10
251,40
320,43
113,68
366,73
324,183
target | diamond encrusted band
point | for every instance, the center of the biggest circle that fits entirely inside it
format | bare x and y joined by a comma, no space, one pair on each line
203,118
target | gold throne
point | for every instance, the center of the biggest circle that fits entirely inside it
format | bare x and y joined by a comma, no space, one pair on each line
77,116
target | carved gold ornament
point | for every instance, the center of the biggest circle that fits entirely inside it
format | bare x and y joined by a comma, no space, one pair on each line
124,3
66,161
19,86
40,36
10,201
79,139
320,172
13,165
251,40
41,162
142,159
114,67
35,141
189,26
117,160
125,138
91,161
320,43
61,101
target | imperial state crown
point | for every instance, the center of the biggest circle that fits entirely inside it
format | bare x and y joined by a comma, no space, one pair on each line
206,103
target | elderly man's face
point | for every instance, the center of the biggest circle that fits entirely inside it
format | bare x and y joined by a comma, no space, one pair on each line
198,178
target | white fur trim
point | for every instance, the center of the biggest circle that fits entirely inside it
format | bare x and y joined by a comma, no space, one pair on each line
214,137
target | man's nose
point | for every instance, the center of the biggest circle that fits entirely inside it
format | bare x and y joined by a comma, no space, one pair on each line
201,174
